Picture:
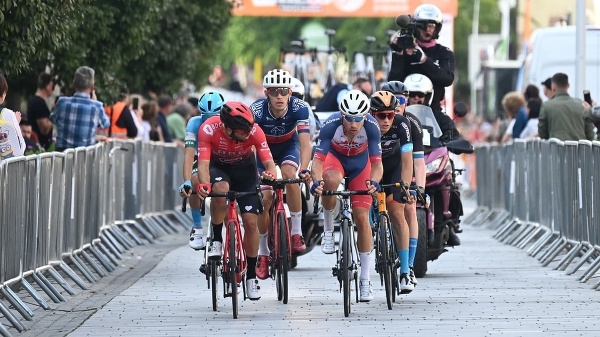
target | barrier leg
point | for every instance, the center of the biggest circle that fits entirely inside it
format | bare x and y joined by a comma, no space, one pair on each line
4,332
83,269
61,281
565,244
530,237
139,226
503,230
33,293
576,247
123,240
47,287
551,249
584,259
516,232
541,243
166,224
73,276
110,254
153,226
100,257
16,302
592,269
499,219
132,233
113,242
527,229
97,268
11,318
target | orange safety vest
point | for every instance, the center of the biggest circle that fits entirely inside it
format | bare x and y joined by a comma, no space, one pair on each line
114,112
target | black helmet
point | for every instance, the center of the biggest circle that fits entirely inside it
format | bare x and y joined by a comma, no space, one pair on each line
395,87
383,101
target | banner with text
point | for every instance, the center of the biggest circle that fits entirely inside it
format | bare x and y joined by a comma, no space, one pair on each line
337,8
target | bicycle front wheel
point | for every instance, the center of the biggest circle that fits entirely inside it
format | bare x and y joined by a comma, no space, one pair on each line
233,268
346,264
283,256
214,275
386,262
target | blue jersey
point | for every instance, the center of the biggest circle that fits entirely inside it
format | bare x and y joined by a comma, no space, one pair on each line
286,128
191,131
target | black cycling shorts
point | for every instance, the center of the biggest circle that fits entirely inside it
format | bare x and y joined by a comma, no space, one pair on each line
392,173
241,178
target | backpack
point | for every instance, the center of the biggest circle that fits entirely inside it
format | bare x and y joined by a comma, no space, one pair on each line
9,138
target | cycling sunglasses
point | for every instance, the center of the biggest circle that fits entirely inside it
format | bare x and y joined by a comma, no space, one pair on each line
416,94
401,100
385,115
273,92
354,119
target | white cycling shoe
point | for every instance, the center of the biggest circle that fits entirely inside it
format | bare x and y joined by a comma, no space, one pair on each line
328,243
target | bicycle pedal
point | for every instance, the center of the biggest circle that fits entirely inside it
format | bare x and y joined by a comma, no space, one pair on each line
204,269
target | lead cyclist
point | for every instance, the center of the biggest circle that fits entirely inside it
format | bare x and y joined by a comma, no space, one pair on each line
209,104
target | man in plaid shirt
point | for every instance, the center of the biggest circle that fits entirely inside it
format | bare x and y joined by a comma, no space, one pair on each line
77,117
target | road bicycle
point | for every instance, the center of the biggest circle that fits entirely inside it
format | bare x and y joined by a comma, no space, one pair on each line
346,268
300,63
279,237
386,253
332,58
234,263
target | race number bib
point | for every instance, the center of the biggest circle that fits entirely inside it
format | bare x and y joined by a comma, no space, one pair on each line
426,138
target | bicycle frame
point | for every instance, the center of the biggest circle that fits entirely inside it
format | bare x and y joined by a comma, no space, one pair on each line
242,263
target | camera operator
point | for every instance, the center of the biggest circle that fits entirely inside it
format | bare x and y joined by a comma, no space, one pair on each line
416,51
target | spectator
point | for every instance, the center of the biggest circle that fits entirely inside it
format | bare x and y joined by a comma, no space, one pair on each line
514,106
547,86
193,101
77,117
533,113
38,111
217,78
31,146
177,121
150,128
12,143
122,122
564,117
331,100
165,105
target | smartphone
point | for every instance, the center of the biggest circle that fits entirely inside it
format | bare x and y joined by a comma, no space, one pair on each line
587,97
135,103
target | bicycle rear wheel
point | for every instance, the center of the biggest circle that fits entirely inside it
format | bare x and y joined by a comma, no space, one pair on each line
233,268
214,272
283,257
346,257
387,263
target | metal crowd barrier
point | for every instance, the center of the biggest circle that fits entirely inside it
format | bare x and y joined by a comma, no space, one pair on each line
66,218
543,196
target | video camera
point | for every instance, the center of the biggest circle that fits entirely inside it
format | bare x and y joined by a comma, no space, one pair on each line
409,30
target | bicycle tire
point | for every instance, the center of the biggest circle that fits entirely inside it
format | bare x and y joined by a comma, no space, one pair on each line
387,264
346,266
283,262
214,267
233,268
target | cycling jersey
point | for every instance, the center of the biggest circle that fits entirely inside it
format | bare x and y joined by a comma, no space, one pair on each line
214,145
285,128
397,140
191,130
416,133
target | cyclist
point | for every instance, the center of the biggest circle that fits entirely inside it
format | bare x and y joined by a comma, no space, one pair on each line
348,145
397,159
209,104
227,161
298,92
284,120
416,132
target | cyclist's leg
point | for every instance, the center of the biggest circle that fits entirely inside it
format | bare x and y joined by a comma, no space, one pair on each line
289,169
263,225
219,178
392,173
196,235
361,205
410,212
332,177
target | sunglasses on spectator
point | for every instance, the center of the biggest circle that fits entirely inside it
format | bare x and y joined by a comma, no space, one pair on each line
354,119
401,100
416,94
273,92
385,115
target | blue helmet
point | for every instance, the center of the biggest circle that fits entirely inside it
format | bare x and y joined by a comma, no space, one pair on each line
210,103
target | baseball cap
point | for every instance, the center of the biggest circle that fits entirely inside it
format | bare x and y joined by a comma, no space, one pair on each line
548,83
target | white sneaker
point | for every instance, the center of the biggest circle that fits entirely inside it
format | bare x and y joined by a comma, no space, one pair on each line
253,289
406,286
366,292
196,240
412,277
328,243
214,251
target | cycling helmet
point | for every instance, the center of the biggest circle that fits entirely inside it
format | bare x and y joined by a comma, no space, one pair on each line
210,103
237,116
297,88
355,104
383,101
277,78
395,87
427,13
420,83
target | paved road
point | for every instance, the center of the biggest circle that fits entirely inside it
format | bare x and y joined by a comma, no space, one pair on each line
482,288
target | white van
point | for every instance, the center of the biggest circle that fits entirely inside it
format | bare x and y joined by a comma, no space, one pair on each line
552,50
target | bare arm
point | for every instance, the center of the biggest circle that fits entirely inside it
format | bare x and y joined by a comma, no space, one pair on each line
203,171
376,171
188,160
407,164
420,174
317,169
305,149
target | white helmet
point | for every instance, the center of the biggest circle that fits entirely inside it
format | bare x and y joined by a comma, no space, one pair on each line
355,104
277,78
429,14
297,86
419,83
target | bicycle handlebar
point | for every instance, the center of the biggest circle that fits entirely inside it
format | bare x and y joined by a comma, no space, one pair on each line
279,184
185,199
232,195
344,194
